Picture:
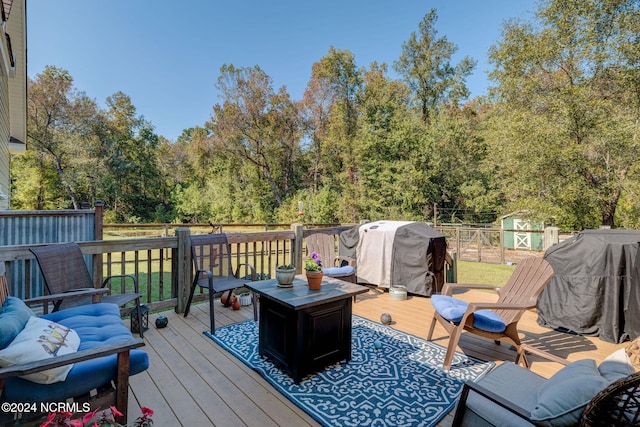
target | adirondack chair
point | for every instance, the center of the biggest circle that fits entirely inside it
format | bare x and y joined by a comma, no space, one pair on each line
337,266
211,255
64,270
106,355
497,321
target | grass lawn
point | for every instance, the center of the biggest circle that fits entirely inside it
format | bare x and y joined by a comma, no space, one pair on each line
484,273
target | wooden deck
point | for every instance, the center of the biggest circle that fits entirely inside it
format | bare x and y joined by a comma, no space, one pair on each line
191,381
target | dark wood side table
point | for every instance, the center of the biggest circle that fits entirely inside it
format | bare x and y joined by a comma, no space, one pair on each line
303,331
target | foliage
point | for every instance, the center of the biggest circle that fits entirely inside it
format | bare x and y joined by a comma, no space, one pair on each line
567,99
558,136
262,128
425,66
95,155
313,263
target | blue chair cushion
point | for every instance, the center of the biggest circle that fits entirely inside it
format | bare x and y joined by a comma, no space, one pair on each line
96,324
453,309
14,315
347,270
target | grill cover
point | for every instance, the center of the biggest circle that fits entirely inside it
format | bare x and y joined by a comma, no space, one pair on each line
397,253
596,287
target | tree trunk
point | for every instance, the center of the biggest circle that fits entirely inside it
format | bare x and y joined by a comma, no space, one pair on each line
609,210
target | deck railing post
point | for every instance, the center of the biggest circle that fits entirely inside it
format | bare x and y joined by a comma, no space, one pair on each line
181,271
97,235
296,256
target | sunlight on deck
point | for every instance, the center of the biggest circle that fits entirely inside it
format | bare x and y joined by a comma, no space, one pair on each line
193,382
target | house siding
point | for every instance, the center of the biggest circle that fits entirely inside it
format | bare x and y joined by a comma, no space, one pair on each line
18,83
5,178
13,91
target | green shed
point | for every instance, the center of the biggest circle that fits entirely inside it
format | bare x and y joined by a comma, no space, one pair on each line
521,232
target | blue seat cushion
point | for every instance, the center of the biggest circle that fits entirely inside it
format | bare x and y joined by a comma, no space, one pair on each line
14,315
347,270
96,324
453,309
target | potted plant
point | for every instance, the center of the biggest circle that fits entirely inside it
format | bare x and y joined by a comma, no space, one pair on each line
285,275
313,265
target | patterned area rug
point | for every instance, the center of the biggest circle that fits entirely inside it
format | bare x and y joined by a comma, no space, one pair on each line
400,384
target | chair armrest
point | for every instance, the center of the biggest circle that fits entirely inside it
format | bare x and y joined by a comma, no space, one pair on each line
552,357
489,395
208,273
65,295
247,265
448,288
119,276
66,359
475,306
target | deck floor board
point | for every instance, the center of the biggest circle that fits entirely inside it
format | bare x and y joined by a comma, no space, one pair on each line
194,382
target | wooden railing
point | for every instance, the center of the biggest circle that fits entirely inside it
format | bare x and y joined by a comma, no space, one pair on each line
163,265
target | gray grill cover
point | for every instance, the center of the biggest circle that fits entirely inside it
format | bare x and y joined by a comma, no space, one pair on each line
417,251
596,287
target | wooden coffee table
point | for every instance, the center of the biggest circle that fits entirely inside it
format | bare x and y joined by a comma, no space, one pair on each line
303,331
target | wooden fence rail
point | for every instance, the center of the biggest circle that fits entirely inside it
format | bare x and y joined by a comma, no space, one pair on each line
163,265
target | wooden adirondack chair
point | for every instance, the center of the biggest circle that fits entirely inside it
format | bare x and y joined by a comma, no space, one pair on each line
497,321
325,246
211,256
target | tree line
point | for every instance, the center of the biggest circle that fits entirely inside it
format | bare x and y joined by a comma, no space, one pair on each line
556,137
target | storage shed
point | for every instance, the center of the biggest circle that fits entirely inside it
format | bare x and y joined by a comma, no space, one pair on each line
517,235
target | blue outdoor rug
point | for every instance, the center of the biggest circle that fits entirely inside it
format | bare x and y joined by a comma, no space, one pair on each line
400,384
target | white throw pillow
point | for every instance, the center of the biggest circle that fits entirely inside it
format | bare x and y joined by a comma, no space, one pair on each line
39,340
616,366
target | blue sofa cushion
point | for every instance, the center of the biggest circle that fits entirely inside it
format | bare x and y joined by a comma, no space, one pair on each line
453,309
14,315
563,397
339,271
96,324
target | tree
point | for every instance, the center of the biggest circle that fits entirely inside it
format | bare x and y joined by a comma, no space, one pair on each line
567,107
260,127
334,84
59,128
131,183
389,138
425,65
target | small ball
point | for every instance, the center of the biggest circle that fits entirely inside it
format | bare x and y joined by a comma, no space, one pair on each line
385,319
161,322
228,298
377,344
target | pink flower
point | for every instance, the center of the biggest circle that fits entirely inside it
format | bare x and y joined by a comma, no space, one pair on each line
49,422
115,411
90,415
146,411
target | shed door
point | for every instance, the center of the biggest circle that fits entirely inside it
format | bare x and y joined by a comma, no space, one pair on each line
521,240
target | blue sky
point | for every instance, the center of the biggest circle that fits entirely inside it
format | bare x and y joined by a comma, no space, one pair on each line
166,55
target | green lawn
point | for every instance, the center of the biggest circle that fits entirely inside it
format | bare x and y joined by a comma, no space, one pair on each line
484,273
